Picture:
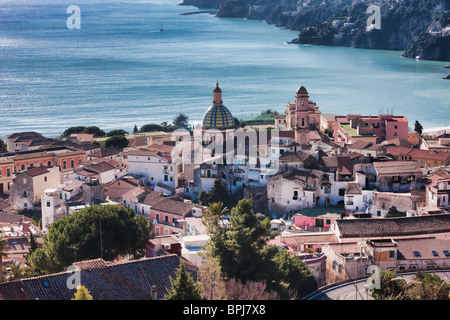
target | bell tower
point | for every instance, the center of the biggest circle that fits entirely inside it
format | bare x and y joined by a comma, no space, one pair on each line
217,96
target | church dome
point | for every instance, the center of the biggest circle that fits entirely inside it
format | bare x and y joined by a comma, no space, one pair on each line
218,117
302,90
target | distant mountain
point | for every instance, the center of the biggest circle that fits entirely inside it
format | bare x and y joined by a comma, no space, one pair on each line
419,27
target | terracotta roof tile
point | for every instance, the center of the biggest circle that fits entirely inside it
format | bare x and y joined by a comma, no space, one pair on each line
128,280
391,227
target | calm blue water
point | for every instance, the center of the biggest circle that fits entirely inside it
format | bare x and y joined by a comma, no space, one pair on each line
119,70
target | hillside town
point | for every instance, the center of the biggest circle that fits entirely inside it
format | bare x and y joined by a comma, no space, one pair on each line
342,193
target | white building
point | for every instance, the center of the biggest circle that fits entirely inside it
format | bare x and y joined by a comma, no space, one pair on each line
438,193
154,167
50,202
356,198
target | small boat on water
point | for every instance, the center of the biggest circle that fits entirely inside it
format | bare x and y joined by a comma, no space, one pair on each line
447,66
162,27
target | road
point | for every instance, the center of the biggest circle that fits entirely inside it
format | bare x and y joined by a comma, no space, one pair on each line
356,290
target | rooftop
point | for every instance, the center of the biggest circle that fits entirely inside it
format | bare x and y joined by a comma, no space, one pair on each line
391,227
127,280
352,132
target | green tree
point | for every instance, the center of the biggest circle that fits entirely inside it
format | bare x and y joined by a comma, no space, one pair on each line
82,294
151,127
116,132
181,121
418,127
32,246
203,197
242,252
3,247
238,247
293,271
96,131
123,233
117,141
392,287
69,131
135,130
2,146
20,271
428,286
183,286
218,193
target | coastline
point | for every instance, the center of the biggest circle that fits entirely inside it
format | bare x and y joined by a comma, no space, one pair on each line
435,129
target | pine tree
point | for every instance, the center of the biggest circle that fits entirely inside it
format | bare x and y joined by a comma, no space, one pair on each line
33,246
418,127
82,294
135,130
183,286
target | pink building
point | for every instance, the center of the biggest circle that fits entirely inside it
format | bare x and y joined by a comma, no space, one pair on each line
383,127
322,221
302,115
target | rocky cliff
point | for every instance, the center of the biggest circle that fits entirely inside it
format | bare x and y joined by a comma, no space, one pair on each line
419,27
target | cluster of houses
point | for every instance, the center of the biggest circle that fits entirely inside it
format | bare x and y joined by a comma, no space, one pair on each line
344,191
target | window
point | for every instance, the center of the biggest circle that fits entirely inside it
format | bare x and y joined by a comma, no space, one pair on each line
64,165
8,172
391,253
24,194
166,219
22,167
72,163
48,203
446,253
416,254
435,253
166,177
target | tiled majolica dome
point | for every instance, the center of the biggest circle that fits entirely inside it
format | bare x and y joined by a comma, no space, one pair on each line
218,117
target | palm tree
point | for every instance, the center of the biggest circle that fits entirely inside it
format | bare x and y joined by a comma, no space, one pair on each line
213,214
3,246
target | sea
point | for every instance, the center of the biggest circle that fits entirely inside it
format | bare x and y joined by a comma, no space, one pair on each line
118,69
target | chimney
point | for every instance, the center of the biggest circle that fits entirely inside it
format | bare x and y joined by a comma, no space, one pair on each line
26,227
154,292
